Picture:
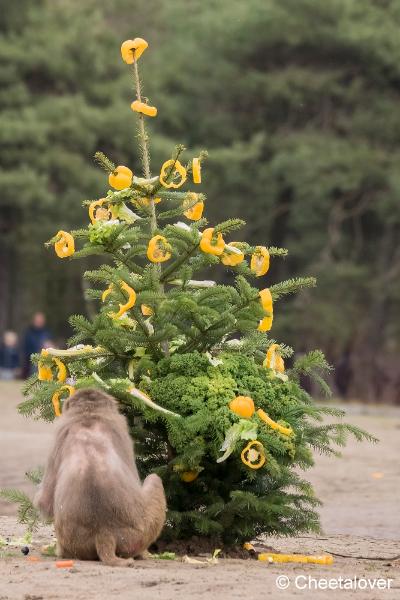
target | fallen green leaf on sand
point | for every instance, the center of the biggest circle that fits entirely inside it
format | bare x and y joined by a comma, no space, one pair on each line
164,556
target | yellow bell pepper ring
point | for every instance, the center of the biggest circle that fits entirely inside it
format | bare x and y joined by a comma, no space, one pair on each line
210,246
189,476
56,398
44,372
273,424
178,169
195,212
145,109
98,213
123,308
273,360
196,170
253,455
231,258
65,244
121,178
242,406
158,249
259,263
146,310
132,50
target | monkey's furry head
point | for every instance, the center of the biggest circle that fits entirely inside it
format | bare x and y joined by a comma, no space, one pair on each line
90,400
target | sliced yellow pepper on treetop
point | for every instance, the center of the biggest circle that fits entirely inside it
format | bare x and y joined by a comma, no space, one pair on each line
132,50
196,170
209,245
259,263
121,178
178,169
158,249
145,109
65,245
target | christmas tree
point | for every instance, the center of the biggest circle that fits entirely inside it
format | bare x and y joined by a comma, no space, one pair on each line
193,364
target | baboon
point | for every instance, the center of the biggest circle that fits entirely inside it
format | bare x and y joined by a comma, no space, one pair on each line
91,486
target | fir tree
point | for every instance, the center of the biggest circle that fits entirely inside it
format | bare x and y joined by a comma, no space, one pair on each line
202,383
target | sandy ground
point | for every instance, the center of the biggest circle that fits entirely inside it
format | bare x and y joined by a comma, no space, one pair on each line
360,518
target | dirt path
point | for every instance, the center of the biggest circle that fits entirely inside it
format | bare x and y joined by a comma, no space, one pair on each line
360,517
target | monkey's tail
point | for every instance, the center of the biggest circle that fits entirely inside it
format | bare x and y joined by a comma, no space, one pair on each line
106,546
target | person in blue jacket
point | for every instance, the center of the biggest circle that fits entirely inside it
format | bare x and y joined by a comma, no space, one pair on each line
37,336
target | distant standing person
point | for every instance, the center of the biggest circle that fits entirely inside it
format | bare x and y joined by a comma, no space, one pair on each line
9,356
36,337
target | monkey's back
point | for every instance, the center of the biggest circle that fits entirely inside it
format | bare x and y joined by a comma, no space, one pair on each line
97,482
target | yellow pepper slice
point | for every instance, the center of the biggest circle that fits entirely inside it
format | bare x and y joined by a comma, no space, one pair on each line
97,213
273,360
145,109
259,263
56,398
208,245
107,292
123,308
132,50
273,424
44,372
196,170
146,310
121,178
194,212
266,301
189,476
62,370
158,249
231,259
178,169
65,245
254,451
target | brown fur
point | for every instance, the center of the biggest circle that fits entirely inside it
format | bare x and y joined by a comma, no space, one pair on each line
91,485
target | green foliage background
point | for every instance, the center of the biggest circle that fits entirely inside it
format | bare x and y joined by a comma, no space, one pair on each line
297,103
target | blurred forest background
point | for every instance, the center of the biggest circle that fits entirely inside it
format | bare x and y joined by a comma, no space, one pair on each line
298,103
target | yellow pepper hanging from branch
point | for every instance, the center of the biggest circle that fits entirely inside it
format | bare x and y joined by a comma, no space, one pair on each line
274,360
45,373
232,255
273,424
145,109
211,244
259,263
120,178
253,455
266,302
168,176
56,398
132,50
158,249
64,245
123,308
